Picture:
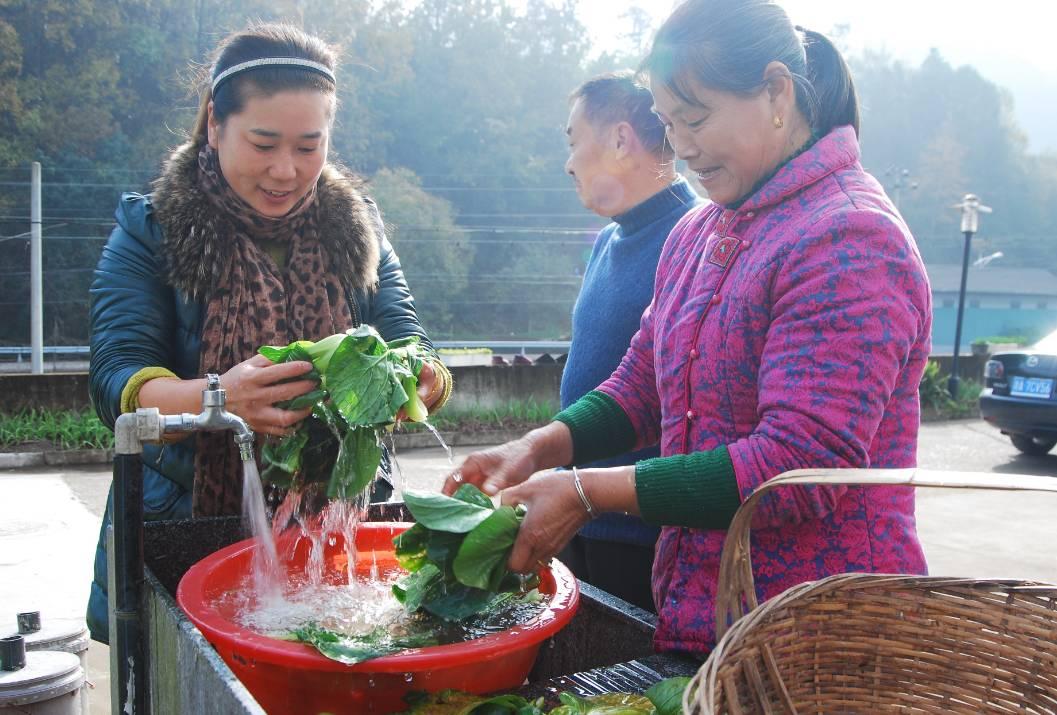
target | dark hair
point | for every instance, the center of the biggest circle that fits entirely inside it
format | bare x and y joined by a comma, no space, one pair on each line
618,97
253,43
727,44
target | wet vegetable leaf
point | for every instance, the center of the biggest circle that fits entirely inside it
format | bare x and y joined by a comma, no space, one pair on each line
411,547
455,702
482,557
414,588
608,704
443,513
356,465
349,650
457,602
302,401
667,695
282,458
362,381
364,384
297,350
442,548
472,495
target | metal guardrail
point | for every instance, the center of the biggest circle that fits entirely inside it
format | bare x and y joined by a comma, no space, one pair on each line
501,347
23,352
506,347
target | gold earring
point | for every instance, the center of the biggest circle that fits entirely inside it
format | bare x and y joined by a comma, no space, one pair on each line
778,124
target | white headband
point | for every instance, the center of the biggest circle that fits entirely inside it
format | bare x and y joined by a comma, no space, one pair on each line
273,61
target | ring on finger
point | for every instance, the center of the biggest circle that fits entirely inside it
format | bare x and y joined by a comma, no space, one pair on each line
456,477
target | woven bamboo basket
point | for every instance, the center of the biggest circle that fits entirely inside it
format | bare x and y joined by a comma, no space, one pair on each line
869,643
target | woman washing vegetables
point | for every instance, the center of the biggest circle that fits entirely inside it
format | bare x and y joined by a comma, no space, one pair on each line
789,328
249,238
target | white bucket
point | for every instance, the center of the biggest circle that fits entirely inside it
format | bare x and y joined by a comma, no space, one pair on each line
69,635
50,684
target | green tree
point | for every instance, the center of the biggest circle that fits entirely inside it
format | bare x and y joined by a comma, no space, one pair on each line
435,256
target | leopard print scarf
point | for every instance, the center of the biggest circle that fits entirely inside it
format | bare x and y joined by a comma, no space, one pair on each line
258,303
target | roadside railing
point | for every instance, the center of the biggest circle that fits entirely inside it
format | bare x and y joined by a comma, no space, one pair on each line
22,353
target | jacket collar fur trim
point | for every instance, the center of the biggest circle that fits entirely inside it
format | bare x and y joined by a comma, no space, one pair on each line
194,251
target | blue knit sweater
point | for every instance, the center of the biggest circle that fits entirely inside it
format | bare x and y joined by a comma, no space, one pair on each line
617,287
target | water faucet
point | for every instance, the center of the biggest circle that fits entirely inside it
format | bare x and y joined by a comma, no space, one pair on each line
213,418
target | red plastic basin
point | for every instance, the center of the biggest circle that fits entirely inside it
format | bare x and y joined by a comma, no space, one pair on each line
294,678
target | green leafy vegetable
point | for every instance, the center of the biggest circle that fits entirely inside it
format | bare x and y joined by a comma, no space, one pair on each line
282,458
608,704
455,702
481,561
411,547
357,463
350,651
412,591
443,513
667,695
462,542
664,698
362,381
363,384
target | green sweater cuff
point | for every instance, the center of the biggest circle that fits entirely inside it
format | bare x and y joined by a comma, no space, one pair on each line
696,490
599,426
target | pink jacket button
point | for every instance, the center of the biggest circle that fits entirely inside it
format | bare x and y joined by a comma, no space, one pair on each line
717,298
694,354
689,414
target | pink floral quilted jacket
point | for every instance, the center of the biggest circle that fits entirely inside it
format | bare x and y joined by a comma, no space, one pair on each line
795,331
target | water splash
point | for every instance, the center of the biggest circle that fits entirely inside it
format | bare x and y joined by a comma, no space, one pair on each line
387,442
440,440
266,572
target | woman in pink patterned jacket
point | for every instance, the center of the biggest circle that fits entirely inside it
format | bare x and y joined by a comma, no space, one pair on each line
789,328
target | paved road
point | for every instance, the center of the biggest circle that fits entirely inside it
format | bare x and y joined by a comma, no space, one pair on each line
49,520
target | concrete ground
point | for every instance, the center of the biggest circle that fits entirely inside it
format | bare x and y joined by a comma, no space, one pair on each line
49,522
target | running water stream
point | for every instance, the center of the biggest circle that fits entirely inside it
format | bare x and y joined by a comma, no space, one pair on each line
267,575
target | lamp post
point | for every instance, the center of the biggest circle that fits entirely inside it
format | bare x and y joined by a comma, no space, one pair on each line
902,180
984,261
971,209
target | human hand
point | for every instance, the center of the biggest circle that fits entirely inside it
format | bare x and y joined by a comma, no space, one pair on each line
494,469
554,515
253,387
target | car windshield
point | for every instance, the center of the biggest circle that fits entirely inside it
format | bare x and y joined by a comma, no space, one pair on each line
1047,344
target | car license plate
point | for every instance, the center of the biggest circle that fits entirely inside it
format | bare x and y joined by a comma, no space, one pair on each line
1031,387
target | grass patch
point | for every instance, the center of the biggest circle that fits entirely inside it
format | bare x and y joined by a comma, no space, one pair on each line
936,400
36,430
517,414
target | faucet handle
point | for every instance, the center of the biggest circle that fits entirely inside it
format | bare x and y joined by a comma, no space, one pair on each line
214,395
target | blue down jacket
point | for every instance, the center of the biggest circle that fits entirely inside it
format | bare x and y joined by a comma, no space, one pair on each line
139,319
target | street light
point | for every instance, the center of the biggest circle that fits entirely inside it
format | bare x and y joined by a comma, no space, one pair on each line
984,261
902,181
971,209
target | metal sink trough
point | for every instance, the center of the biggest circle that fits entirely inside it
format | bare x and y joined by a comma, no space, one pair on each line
606,647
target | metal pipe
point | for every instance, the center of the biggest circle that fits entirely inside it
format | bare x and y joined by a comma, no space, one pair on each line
128,682
128,673
128,685
36,275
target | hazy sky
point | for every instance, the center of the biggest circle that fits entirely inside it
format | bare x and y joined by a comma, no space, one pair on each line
1012,43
